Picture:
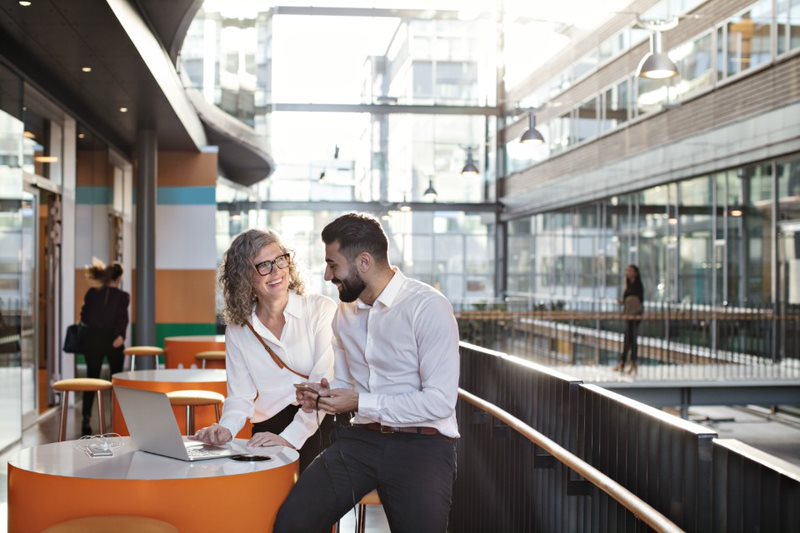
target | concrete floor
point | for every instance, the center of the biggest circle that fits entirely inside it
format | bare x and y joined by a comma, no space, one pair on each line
777,434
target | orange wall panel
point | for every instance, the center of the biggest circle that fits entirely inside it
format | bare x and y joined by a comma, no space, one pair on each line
187,169
185,296
93,169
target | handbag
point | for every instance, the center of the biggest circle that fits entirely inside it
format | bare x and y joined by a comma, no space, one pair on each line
272,354
73,340
632,305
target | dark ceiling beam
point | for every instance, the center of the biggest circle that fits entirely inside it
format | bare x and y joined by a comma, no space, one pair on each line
161,68
26,66
170,21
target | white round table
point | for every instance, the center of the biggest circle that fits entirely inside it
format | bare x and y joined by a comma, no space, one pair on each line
56,482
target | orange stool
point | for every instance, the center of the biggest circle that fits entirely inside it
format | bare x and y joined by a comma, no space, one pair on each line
117,524
194,398
143,351
211,355
66,386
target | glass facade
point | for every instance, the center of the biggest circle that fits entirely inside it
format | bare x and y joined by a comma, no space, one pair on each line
13,210
740,44
450,250
706,240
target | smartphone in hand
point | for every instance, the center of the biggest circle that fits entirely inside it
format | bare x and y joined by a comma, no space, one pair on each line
307,387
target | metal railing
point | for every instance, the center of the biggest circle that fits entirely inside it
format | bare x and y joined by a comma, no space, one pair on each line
591,332
626,498
506,484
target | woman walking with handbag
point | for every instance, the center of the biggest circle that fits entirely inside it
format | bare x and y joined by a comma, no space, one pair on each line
632,302
105,315
276,336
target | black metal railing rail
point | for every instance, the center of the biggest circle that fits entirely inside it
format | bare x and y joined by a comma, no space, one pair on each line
623,496
506,484
591,332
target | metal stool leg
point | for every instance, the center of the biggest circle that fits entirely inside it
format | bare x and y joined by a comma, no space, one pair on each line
62,425
101,412
362,514
133,363
190,420
203,363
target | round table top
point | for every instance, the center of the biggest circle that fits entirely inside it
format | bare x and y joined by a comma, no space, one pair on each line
174,375
68,459
196,338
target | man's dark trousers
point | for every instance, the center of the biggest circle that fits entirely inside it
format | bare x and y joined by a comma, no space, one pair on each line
413,473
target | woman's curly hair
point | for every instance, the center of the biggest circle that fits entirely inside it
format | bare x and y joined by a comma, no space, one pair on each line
236,273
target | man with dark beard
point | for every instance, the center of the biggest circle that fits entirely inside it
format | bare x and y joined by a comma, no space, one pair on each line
396,368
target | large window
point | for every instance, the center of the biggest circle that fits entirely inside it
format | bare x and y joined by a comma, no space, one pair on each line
706,240
694,62
14,209
743,42
748,38
788,17
788,242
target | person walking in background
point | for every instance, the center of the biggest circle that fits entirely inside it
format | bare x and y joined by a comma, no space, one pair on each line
277,335
632,304
396,367
105,315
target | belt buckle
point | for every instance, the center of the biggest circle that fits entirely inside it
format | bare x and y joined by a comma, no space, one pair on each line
386,430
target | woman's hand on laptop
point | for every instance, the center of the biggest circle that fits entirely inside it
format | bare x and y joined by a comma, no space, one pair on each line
215,435
268,439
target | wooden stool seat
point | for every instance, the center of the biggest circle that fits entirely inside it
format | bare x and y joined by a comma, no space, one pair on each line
81,385
194,398
65,386
143,351
117,524
211,355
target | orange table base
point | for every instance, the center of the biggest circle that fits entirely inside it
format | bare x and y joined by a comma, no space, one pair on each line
183,352
247,502
203,416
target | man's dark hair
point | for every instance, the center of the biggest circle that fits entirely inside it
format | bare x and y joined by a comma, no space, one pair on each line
356,233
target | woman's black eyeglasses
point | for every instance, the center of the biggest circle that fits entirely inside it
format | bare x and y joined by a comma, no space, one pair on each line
265,268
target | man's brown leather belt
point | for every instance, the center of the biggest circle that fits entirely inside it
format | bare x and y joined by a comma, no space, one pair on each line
420,430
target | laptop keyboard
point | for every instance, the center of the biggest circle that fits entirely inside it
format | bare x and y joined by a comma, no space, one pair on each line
203,452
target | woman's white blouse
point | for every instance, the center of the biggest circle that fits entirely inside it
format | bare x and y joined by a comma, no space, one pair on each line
257,388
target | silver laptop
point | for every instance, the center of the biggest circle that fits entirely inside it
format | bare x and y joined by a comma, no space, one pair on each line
153,427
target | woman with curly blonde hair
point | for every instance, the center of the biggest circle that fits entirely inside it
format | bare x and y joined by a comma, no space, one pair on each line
276,336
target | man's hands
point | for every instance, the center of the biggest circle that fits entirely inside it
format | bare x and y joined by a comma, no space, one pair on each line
312,396
215,435
119,341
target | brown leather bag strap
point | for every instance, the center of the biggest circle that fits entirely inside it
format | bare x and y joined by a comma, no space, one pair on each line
272,354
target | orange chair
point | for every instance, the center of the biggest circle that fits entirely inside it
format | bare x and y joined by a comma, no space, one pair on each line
371,498
195,398
143,351
65,386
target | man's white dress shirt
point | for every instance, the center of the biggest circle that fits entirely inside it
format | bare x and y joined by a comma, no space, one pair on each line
257,388
401,355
